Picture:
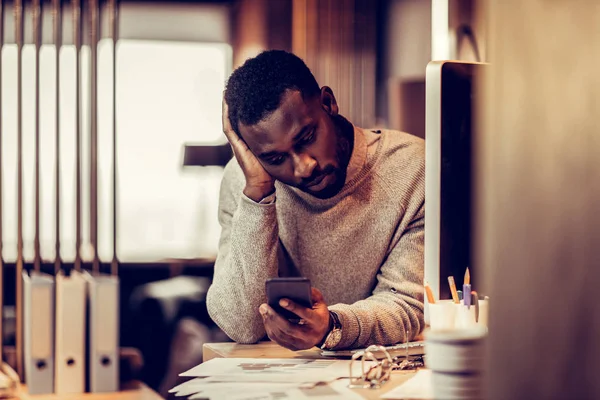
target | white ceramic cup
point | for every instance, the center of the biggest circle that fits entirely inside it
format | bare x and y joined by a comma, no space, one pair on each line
465,316
442,315
484,312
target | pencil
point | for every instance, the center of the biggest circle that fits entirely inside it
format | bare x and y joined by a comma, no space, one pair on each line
467,277
429,293
453,289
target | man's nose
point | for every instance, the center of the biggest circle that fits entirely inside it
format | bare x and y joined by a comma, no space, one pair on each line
304,165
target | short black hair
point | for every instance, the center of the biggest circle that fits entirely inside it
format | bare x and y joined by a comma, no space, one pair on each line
254,90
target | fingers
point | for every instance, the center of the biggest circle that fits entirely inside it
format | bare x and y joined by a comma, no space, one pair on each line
280,330
233,138
240,149
279,337
301,311
282,339
296,336
280,322
259,183
227,128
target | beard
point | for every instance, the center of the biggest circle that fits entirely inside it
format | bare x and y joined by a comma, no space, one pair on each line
345,144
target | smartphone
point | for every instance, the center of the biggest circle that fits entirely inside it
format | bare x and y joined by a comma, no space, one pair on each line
295,289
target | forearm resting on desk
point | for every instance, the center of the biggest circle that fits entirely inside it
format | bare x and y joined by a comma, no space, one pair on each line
247,258
380,319
396,305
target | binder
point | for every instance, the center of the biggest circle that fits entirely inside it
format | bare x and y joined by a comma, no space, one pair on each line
38,327
70,333
103,331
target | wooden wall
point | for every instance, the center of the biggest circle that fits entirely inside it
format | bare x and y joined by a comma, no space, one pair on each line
337,40
538,198
260,25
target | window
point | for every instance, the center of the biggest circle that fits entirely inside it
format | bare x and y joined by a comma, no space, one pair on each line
168,93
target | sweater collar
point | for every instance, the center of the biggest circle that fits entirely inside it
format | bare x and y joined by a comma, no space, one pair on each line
359,155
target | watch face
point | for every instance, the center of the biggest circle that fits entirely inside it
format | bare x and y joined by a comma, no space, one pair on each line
333,339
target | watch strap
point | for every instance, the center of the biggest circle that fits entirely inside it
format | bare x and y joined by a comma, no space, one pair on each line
334,336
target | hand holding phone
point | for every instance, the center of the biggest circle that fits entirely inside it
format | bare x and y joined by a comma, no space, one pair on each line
302,322
296,289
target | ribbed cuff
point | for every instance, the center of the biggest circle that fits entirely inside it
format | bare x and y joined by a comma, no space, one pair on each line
350,325
267,201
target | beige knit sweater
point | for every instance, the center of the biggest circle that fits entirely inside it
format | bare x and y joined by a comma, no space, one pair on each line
362,248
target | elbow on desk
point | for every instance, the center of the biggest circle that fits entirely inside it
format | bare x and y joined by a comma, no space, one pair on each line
245,337
238,331
236,328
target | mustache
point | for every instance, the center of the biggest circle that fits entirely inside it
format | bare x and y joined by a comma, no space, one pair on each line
317,174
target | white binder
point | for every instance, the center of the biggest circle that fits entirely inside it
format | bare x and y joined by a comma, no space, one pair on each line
38,331
103,331
70,333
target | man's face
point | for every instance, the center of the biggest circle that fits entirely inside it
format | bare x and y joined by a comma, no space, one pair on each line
299,144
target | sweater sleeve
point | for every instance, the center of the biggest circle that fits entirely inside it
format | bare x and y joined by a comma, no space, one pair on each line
396,304
247,257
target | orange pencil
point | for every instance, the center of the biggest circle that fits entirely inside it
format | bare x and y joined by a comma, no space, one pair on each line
467,277
453,289
429,293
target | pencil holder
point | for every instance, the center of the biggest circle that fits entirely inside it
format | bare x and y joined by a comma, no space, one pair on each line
472,316
465,316
442,315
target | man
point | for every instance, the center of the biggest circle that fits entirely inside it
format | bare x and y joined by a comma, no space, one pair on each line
309,194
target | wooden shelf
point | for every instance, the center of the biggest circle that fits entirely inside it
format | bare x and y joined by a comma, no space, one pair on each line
132,391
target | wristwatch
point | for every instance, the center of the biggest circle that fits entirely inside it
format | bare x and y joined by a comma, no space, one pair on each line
334,336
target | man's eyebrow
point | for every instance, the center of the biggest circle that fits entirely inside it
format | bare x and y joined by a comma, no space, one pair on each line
269,154
299,135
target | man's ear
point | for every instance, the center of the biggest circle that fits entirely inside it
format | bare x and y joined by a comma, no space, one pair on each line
328,101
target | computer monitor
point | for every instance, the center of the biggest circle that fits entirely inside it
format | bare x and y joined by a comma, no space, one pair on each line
449,127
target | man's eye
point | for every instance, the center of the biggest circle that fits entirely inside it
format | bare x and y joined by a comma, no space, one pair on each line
276,161
309,138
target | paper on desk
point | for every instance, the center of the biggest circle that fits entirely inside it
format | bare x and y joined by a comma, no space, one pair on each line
333,390
228,387
228,390
273,378
275,369
272,391
188,383
417,387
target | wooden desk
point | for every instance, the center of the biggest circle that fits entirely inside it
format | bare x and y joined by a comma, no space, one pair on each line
134,391
273,350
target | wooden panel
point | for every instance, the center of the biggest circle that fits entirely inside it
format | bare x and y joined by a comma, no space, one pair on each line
260,25
336,39
280,22
250,30
538,193
407,106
